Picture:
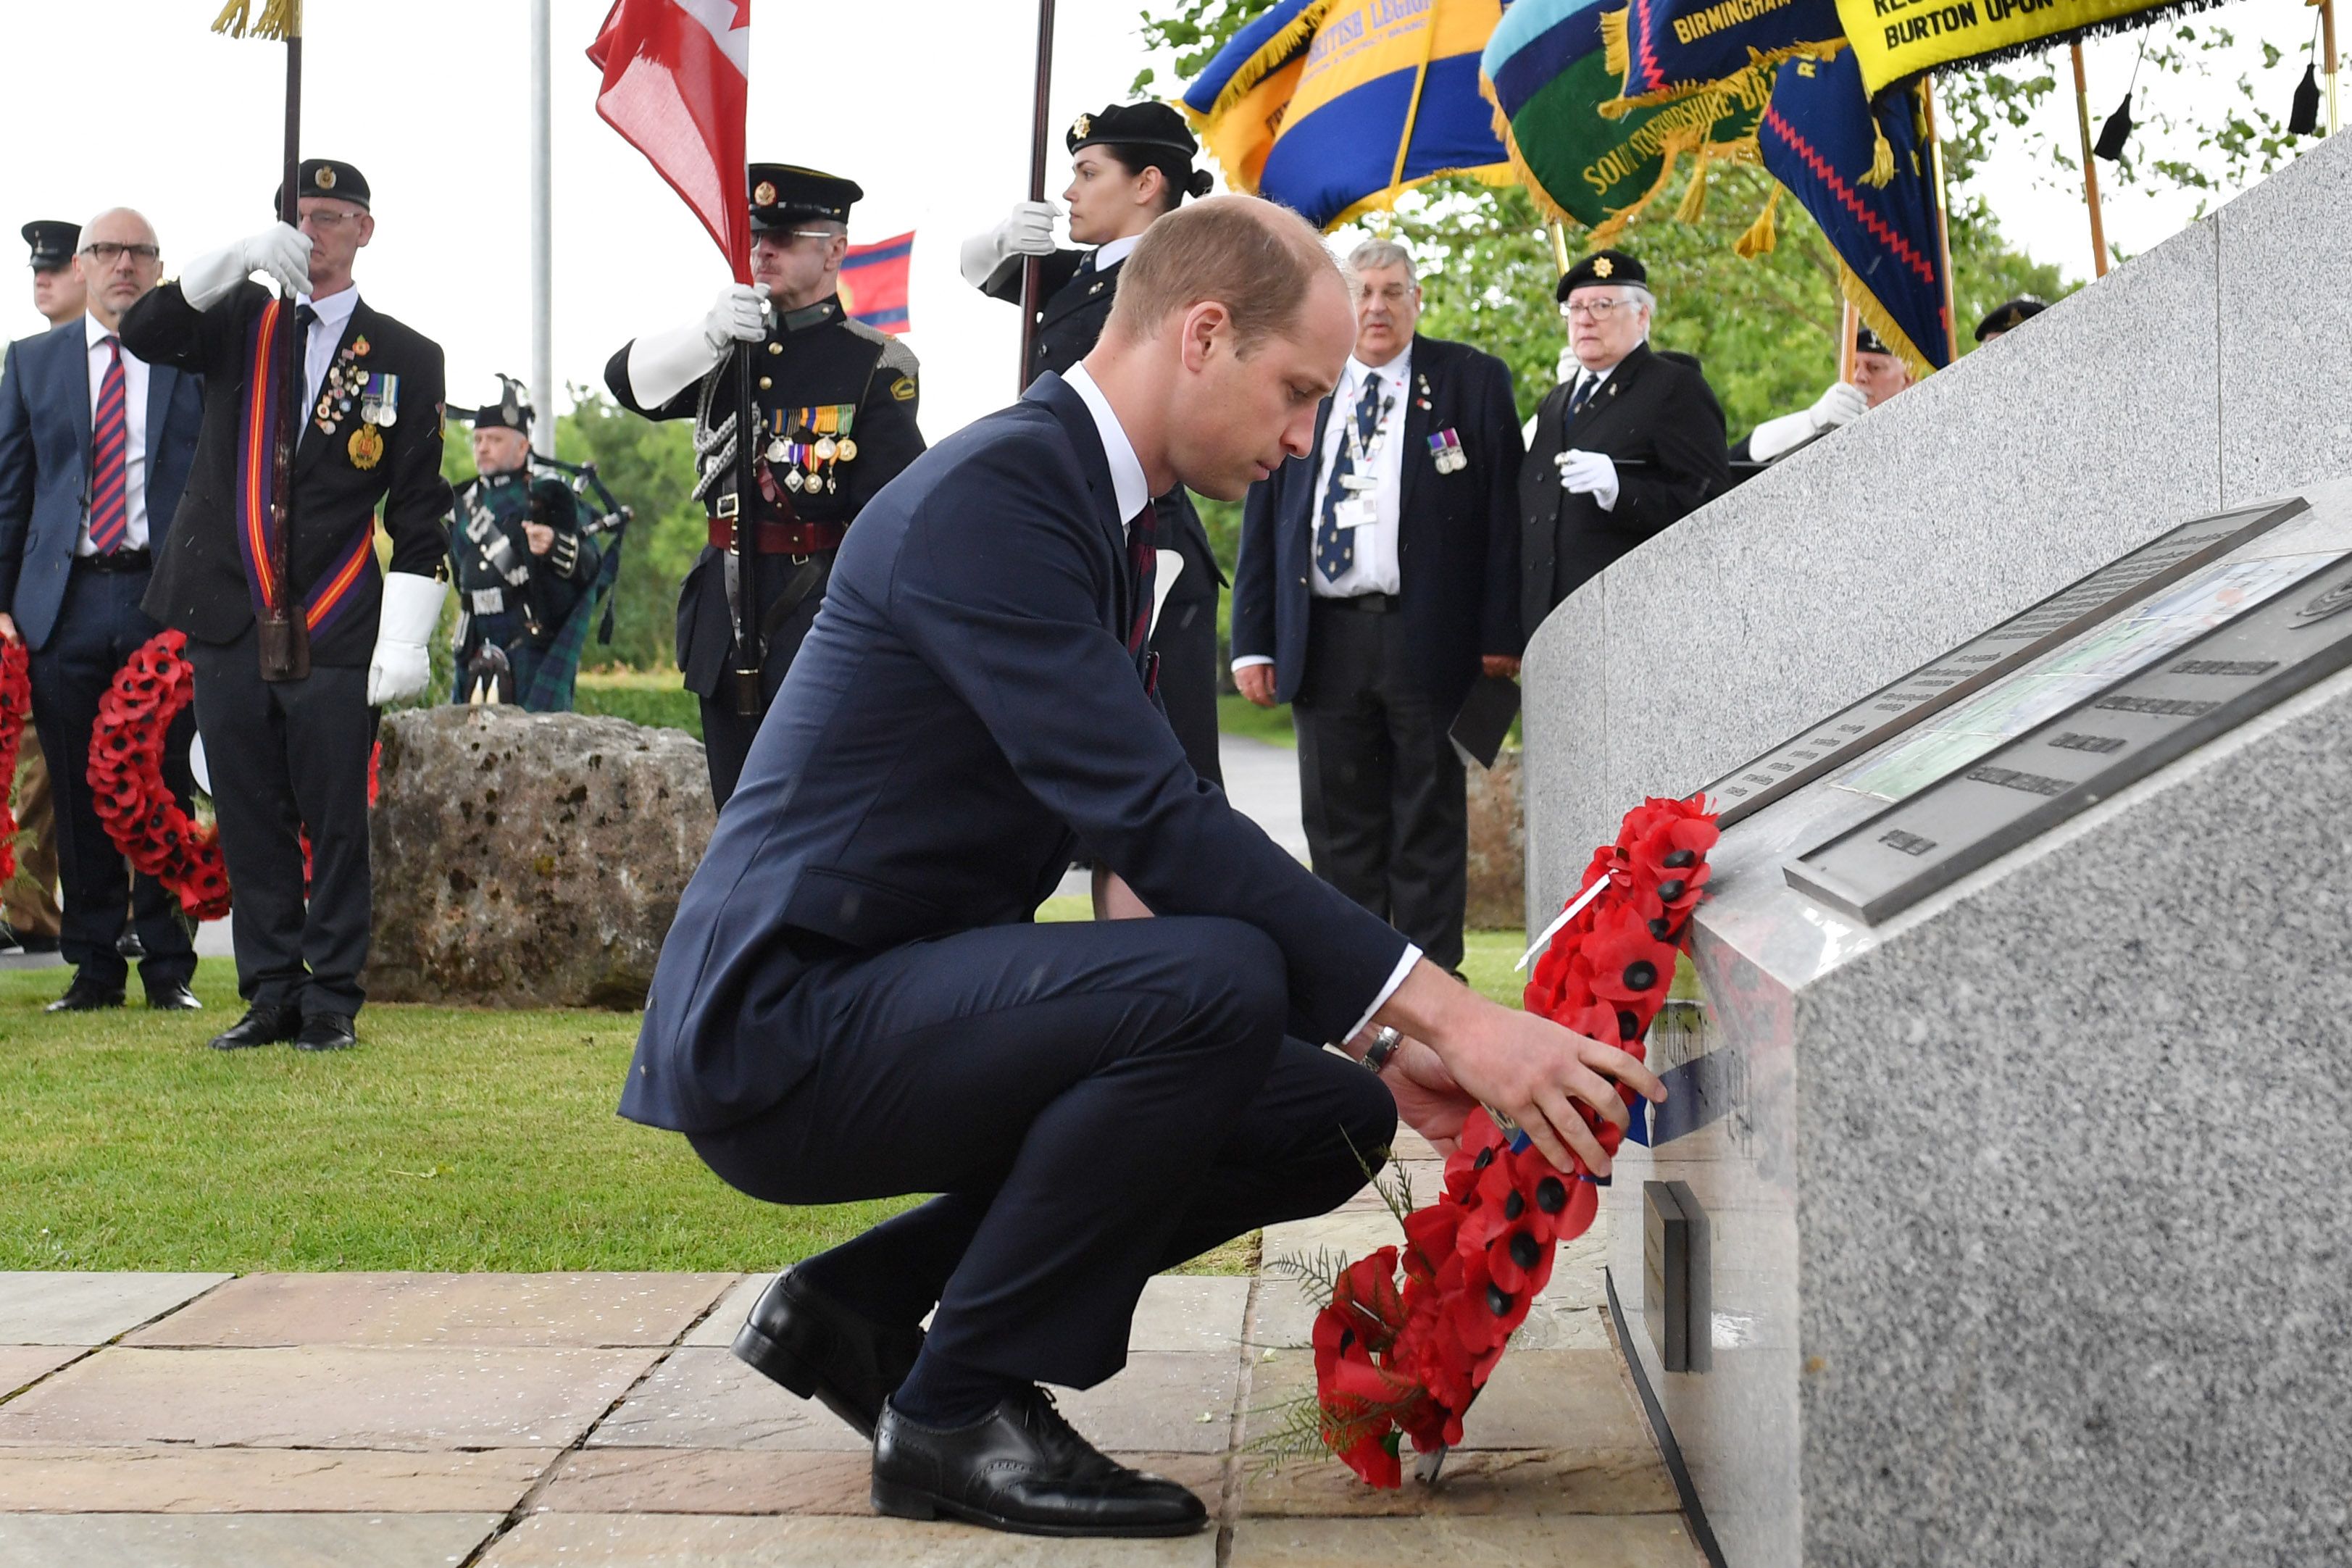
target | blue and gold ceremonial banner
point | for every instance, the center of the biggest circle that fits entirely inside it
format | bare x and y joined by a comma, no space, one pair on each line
1824,138
1666,49
1899,41
1336,107
1546,74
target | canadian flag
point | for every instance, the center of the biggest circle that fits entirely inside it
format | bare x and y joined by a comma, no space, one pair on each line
678,74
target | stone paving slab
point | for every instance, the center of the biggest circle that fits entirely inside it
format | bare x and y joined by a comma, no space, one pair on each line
761,1481
176,1479
652,1541
1536,1399
327,1397
705,1398
39,1309
1178,1312
585,1310
1158,1404
23,1365
1592,1540
718,1328
241,1540
1529,1483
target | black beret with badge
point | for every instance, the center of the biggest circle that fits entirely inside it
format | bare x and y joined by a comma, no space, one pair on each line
783,195
2010,315
1155,125
1602,267
326,177
1866,342
53,242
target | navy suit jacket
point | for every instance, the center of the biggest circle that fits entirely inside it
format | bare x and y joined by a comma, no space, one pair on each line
45,466
1457,533
964,713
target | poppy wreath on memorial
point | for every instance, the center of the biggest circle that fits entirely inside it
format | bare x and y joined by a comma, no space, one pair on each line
134,804
1408,1336
16,707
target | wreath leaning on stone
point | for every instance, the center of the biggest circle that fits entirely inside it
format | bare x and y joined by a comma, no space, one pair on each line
16,706
1398,1358
137,808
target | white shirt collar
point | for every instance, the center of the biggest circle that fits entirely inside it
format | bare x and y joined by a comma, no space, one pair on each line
1129,488
1397,372
95,332
335,308
1110,253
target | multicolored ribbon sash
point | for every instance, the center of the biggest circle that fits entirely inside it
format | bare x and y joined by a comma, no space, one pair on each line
256,439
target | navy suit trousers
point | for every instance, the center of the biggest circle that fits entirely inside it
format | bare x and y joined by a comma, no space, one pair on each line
99,626
1093,1101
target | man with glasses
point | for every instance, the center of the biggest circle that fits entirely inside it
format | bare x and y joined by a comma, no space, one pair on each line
96,446
834,422
1622,451
290,755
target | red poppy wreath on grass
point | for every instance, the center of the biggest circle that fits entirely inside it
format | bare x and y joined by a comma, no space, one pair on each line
16,706
1409,1335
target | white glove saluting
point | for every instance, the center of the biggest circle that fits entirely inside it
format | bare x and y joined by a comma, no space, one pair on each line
1842,404
400,667
281,250
1588,474
1027,230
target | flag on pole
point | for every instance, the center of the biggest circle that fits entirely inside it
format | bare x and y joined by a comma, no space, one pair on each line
1336,107
677,78
874,282
1866,172
278,20
1666,49
1900,40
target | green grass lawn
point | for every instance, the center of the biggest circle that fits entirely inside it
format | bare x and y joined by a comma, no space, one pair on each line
1237,715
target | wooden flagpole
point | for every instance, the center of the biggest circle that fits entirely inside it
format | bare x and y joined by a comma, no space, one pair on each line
2089,165
1943,216
2328,46
1033,269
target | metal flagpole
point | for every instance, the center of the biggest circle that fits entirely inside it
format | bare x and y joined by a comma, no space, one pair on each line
2090,165
543,235
1032,267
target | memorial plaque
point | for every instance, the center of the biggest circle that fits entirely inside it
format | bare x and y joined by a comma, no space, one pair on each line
1974,665
2120,735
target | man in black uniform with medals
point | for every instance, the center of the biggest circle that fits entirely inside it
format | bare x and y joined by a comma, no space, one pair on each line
288,751
1129,165
521,561
834,422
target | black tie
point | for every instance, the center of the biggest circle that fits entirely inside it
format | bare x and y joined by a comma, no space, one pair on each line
1142,564
1586,383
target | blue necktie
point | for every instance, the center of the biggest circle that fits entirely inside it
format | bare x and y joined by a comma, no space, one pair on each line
1334,551
1586,384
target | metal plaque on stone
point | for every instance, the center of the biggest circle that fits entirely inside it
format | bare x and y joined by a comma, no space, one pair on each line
2111,740
1974,665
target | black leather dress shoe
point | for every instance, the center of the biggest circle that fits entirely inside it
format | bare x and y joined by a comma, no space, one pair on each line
173,998
325,1032
819,1348
129,945
15,941
86,996
1023,1469
261,1025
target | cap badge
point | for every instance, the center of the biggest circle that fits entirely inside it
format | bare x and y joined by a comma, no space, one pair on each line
1602,267
325,178
1084,125
763,194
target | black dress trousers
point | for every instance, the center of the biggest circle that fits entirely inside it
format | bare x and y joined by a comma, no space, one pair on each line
286,757
1381,785
100,626
1095,1102
727,736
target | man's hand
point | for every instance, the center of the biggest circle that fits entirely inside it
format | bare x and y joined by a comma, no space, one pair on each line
1428,1099
282,251
1256,683
738,315
8,633
1501,666
1589,473
400,667
1525,1066
1114,899
540,537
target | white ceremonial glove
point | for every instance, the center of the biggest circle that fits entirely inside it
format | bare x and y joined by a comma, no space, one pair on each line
740,315
399,666
281,250
663,364
1027,230
1588,474
1842,404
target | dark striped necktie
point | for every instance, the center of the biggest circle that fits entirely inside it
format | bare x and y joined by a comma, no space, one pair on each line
1143,565
110,452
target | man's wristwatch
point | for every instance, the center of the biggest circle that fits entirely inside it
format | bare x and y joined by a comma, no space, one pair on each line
1385,1041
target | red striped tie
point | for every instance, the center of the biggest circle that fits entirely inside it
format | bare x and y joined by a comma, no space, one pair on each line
109,443
1143,562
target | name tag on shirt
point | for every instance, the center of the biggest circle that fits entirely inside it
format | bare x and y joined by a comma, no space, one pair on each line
1356,511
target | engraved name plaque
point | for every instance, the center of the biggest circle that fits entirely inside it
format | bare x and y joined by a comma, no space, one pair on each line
2114,737
2027,635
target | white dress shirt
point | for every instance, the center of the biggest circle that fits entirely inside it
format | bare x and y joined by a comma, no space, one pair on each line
1374,569
319,349
135,424
1110,253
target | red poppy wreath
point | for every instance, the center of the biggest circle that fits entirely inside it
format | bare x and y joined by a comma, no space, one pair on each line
134,805
1399,1357
16,705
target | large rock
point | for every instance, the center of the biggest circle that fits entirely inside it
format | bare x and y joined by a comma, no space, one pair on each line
1498,846
530,859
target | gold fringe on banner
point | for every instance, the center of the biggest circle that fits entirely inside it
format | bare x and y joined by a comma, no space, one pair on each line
1693,202
1874,316
1764,234
1882,158
1613,56
1271,57
278,20
1745,83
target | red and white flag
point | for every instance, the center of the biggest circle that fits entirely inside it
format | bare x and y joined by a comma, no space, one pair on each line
678,74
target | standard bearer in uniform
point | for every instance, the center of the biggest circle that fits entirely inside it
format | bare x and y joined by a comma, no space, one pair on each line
1131,164
834,422
522,563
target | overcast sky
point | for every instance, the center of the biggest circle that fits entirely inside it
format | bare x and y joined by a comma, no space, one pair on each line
924,102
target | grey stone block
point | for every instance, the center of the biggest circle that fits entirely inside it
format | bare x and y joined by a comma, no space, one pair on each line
2285,274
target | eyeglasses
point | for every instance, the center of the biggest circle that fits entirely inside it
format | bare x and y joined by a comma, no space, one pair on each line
778,235
327,222
106,252
1593,310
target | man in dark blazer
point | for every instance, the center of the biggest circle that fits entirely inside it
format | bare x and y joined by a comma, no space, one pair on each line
290,755
1379,575
95,447
853,1000
1623,450
1131,164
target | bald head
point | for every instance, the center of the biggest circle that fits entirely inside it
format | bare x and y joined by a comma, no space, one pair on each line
118,263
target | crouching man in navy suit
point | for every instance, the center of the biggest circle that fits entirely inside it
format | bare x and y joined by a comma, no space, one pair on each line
854,1002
